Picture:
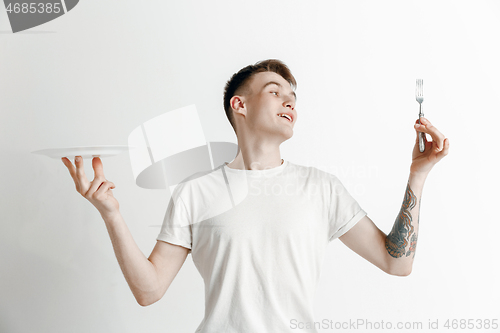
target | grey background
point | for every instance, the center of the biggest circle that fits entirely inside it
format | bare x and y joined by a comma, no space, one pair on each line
94,74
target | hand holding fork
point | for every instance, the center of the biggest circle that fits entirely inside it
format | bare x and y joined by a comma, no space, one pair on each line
435,150
419,95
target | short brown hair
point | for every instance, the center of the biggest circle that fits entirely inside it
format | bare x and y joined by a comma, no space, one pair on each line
240,80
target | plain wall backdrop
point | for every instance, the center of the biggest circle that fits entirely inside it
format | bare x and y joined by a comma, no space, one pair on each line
93,75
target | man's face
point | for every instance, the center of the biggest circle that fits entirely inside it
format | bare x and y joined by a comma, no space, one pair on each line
270,95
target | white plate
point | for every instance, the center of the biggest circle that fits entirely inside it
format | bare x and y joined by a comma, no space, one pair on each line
84,152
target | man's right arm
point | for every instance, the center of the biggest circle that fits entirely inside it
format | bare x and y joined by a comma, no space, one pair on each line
148,278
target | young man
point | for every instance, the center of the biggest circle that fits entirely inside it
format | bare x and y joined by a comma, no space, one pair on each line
260,253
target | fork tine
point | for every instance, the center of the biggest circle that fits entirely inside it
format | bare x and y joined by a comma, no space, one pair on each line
419,88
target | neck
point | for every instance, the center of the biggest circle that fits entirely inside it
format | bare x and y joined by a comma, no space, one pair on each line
256,157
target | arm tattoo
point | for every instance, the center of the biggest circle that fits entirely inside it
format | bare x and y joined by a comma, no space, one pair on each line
414,238
413,245
398,238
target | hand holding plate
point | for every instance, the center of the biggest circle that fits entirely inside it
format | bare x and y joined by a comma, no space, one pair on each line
98,191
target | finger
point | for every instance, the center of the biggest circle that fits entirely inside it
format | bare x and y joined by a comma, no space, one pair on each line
83,182
99,178
417,122
437,137
69,166
98,168
72,171
445,150
427,127
101,191
418,136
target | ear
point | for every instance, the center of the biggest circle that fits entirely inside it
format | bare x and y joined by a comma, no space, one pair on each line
237,103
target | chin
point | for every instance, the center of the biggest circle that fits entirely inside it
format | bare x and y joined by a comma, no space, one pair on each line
288,135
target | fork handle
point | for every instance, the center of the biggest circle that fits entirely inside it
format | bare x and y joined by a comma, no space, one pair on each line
421,135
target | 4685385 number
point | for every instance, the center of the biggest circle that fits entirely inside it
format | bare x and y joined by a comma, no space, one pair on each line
472,324
34,7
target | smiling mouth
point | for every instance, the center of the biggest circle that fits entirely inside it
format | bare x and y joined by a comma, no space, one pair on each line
283,115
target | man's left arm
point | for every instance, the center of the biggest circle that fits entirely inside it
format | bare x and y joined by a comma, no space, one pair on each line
394,253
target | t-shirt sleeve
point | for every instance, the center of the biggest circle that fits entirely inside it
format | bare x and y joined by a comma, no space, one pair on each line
344,211
176,228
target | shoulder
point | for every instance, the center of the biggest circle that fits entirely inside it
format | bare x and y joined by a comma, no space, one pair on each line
197,180
319,177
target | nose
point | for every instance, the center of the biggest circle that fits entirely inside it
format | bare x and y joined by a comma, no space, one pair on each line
289,104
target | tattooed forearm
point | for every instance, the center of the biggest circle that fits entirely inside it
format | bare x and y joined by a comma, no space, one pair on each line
399,237
414,238
413,245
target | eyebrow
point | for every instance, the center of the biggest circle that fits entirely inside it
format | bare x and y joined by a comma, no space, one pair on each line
279,85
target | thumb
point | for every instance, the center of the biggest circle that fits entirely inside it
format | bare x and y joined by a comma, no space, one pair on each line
418,136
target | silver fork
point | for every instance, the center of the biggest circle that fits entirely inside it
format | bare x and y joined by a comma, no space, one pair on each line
419,95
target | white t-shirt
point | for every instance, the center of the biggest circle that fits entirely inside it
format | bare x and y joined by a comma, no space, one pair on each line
258,239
